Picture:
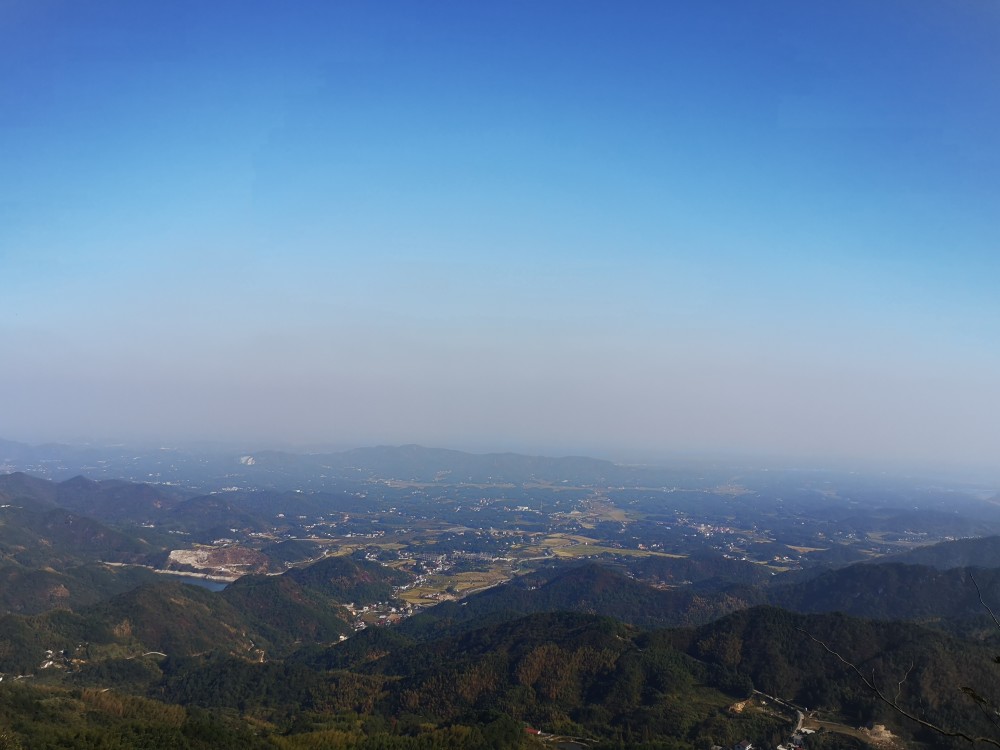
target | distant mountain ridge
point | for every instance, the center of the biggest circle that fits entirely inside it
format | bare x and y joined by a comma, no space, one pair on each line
280,469
420,464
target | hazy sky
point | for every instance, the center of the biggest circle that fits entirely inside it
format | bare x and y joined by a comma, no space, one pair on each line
624,228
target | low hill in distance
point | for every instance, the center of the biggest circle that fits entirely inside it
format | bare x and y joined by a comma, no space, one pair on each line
215,467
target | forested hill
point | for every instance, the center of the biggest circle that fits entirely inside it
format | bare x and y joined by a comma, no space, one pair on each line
108,500
254,617
589,588
780,653
894,591
983,552
595,677
569,673
886,591
268,649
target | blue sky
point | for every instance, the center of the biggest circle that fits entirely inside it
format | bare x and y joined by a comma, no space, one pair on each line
631,229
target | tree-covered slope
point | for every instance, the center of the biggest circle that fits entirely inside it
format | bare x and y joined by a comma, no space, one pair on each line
562,672
983,552
347,579
27,590
893,591
782,654
589,588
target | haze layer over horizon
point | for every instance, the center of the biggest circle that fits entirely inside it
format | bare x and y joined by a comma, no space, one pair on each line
762,228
